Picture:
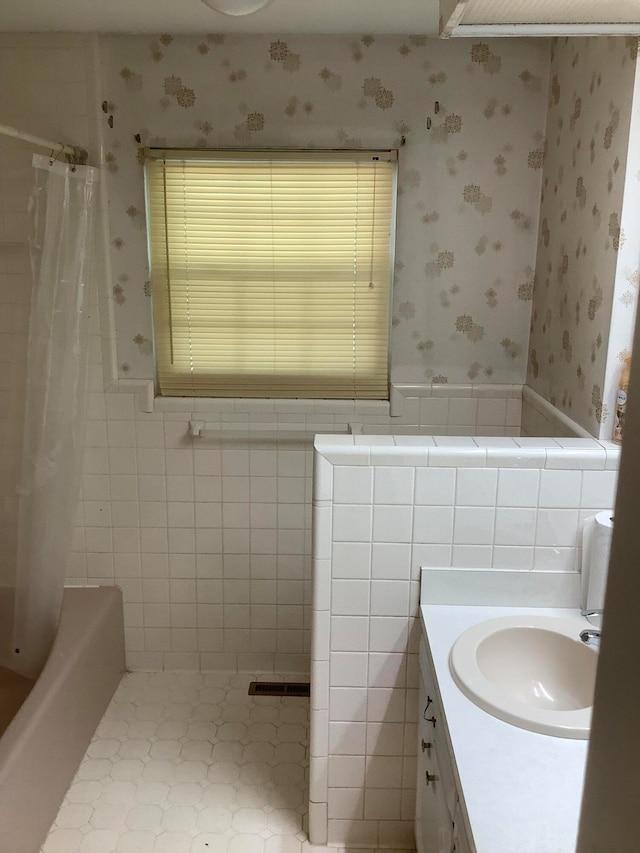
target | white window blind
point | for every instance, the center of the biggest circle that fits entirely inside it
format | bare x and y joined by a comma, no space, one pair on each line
270,273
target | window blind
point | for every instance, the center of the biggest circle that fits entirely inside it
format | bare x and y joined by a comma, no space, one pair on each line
270,275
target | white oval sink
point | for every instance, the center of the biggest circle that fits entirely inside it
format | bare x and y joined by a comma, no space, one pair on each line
530,671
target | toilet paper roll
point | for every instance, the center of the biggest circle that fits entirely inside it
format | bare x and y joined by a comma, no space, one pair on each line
597,548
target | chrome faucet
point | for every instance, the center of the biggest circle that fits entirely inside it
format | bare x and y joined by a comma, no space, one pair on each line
588,613
591,636
594,616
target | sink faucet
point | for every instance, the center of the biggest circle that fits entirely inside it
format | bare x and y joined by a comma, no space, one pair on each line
591,636
593,614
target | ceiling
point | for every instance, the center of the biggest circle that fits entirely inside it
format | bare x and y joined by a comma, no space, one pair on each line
192,16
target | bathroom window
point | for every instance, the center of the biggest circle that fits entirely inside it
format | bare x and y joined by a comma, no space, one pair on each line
271,272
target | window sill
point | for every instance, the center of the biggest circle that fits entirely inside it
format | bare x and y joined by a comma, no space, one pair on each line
148,402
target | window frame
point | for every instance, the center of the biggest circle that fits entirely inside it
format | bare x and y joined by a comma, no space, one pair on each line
266,154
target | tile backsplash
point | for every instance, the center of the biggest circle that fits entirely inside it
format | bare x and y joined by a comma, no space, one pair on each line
383,508
210,537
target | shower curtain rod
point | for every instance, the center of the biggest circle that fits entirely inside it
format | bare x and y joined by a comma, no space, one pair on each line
71,150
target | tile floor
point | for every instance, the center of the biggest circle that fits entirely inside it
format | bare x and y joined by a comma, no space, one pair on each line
190,763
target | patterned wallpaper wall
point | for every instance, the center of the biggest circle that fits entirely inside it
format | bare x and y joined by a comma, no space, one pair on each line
627,281
590,97
469,187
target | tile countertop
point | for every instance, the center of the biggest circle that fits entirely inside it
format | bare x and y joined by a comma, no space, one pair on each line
522,789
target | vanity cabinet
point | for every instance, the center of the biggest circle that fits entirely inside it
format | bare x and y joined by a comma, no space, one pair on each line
521,789
441,824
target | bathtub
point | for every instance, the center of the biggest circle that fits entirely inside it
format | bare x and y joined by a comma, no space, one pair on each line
43,745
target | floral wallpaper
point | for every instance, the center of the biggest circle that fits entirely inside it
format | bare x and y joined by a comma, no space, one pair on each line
627,281
580,236
467,116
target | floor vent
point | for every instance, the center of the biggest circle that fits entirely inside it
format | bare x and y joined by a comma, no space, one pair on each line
279,688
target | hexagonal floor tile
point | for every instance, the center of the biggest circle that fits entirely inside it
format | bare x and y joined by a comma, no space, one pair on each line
189,763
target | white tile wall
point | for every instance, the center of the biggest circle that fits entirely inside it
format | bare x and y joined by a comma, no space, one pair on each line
515,507
210,542
540,418
210,539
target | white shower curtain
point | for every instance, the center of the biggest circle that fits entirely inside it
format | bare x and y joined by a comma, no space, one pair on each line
62,207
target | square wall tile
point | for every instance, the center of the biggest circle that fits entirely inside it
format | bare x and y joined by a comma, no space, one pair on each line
346,803
476,486
346,771
512,557
515,526
351,560
386,704
385,738
390,561
384,771
349,633
348,669
151,461
352,523
352,484
393,485
154,488
473,525
433,524
472,556
387,670
395,833
463,411
556,559
383,804
560,488
435,486
350,597
347,738
518,487
352,833
121,434
491,412
392,523
429,555
123,487
389,598
179,462
599,489
348,704
434,411
388,634
557,527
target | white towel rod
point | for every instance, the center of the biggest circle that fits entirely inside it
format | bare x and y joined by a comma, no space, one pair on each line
198,428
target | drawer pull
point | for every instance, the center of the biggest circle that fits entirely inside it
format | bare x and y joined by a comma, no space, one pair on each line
425,744
429,719
430,777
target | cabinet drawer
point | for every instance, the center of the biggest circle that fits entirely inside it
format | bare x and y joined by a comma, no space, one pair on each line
434,824
461,842
433,728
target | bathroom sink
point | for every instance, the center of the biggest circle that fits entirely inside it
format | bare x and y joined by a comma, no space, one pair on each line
531,671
